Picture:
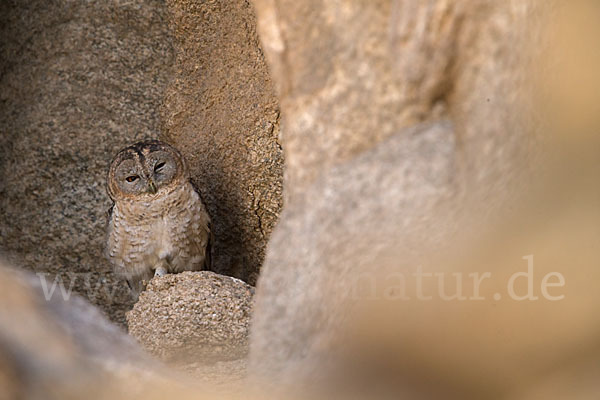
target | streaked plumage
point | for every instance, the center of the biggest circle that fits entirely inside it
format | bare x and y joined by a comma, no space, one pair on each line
158,222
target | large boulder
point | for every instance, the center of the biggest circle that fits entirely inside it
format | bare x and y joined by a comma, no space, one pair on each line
410,132
191,317
220,110
79,81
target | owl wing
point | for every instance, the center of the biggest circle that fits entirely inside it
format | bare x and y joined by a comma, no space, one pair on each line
208,252
197,191
211,239
109,213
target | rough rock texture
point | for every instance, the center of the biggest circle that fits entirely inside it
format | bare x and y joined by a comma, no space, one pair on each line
407,129
199,316
78,81
221,112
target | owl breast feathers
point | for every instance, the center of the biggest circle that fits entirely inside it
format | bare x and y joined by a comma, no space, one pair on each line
158,222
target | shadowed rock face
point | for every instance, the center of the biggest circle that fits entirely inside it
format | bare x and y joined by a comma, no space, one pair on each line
79,80
221,112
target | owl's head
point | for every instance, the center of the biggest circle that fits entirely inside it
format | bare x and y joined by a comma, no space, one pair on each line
146,170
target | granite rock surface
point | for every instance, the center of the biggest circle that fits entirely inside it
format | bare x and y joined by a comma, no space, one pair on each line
193,317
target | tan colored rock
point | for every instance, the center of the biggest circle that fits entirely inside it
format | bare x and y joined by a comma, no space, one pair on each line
79,81
221,112
351,74
385,198
410,134
193,316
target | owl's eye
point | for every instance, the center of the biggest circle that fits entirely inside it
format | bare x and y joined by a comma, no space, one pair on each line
159,166
132,178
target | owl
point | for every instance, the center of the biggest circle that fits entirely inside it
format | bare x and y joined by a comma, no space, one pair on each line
158,223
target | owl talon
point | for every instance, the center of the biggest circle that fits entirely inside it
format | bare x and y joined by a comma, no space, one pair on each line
160,271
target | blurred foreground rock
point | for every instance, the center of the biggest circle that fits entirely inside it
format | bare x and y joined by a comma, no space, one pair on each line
197,317
56,349
352,74
419,136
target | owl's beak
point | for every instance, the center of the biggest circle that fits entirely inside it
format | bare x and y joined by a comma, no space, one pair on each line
151,187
